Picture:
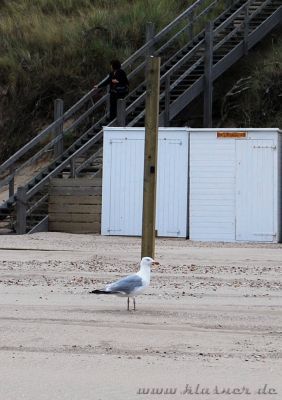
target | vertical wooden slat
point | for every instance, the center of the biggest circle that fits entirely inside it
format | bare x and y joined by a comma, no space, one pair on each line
21,208
167,101
12,182
246,29
58,112
150,33
208,79
121,113
72,168
190,27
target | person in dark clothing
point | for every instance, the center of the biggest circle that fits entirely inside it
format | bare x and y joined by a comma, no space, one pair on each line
119,86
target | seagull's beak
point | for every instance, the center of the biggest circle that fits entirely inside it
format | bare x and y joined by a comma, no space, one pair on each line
155,263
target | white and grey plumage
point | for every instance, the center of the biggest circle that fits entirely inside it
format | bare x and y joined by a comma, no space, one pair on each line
131,285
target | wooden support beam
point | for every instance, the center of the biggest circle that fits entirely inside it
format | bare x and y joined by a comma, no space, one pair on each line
12,181
190,27
121,113
208,76
21,207
58,112
246,29
150,158
108,101
150,34
72,168
167,101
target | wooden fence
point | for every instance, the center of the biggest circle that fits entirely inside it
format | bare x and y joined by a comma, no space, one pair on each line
74,205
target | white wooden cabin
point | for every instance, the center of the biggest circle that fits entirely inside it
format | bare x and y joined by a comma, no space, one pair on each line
235,185
123,168
212,184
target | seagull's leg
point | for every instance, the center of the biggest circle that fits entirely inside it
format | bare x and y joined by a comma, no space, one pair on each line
134,305
128,304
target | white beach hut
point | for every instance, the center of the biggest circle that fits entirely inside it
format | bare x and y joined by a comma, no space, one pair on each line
212,184
235,185
123,166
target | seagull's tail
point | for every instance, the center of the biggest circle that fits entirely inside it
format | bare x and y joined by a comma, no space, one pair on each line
97,291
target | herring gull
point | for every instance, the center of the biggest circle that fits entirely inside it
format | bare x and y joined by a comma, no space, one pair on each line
131,285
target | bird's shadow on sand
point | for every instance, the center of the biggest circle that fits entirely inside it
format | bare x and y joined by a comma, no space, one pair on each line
121,312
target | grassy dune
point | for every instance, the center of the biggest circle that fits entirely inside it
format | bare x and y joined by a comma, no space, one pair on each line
60,48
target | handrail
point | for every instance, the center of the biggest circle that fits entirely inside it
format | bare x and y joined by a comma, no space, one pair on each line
36,156
37,204
34,141
81,102
60,167
76,106
196,50
229,19
205,11
185,58
30,144
162,33
259,8
191,53
141,51
167,73
88,161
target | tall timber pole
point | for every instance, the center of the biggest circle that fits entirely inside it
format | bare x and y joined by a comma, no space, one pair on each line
150,159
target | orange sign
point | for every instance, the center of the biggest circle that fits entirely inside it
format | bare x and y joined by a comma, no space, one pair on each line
231,135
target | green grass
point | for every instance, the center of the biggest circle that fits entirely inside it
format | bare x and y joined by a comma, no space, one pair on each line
60,48
73,38
259,104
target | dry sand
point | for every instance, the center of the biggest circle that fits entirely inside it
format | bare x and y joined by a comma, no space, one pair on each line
211,317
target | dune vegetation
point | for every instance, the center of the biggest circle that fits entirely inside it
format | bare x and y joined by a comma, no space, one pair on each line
60,48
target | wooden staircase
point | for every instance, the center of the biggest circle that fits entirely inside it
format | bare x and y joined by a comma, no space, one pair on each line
195,49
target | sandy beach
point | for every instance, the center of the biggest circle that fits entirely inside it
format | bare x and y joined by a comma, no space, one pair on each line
209,326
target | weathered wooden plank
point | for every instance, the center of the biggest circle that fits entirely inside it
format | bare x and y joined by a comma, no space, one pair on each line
75,205
75,199
73,191
78,182
75,208
74,217
75,227
21,211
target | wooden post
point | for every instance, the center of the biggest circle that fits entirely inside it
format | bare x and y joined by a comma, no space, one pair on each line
12,182
246,29
208,78
58,112
108,103
150,158
191,26
21,208
121,113
150,33
167,101
72,168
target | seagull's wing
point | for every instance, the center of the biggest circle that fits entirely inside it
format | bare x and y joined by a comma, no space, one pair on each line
125,285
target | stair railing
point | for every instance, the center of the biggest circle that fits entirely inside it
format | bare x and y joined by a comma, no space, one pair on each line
87,106
169,82
141,98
